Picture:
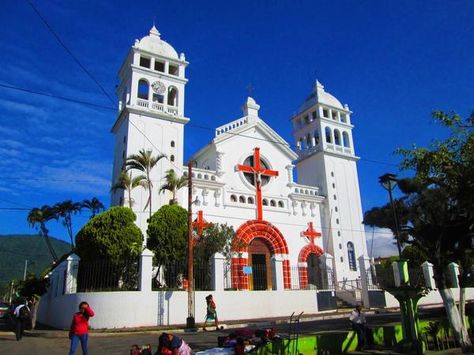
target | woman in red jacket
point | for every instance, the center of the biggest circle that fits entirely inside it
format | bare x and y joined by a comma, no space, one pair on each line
80,328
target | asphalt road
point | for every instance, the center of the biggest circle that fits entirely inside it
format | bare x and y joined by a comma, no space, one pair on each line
41,342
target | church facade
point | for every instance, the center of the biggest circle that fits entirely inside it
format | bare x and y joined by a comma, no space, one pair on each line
308,230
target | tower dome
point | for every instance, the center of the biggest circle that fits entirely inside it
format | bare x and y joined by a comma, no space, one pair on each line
319,96
154,44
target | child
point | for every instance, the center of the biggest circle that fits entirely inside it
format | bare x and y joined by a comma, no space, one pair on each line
80,328
211,313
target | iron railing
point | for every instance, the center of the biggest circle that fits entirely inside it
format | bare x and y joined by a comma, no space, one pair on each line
107,275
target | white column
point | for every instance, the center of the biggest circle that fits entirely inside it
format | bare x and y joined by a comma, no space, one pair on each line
328,261
289,170
428,275
454,274
396,273
365,278
219,163
277,265
146,266
72,266
217,269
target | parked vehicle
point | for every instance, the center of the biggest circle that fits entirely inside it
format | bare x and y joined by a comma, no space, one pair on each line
4,311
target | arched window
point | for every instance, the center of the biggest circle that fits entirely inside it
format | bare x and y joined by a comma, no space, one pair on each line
172,96
242,199
309,142
345,140
143,89
273,203
172,144
337,137
281,204
328,135
250,200
233,198
172,158
316,136
265,202
351,256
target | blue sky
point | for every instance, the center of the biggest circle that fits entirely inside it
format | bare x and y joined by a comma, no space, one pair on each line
392,62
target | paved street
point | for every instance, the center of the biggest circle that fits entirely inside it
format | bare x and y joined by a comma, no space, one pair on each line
42,342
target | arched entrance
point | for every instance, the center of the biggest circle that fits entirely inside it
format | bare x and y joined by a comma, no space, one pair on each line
255,241
260,261
310,268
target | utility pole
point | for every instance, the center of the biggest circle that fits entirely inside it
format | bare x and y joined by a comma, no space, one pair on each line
190,321
25,269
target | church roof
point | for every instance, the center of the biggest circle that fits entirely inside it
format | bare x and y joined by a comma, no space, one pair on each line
248,122
154,44
320,96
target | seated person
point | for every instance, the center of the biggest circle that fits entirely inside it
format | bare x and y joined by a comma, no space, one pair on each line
170,344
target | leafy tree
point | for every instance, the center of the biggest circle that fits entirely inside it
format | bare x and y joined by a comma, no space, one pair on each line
37,217
439,209
167,234
127,182
144,161
33,286
65,210
94,205
216,238
111,235
173,184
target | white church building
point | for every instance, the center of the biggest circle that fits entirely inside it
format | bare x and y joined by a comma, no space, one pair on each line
245,176
300,243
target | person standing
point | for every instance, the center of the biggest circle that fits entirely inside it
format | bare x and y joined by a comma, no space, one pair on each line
21,316
211,313
359,324
79,331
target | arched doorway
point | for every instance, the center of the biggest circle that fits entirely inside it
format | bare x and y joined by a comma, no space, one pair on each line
317,275
260,261
269,242
311,270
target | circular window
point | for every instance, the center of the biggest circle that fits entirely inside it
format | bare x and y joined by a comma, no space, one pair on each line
249,161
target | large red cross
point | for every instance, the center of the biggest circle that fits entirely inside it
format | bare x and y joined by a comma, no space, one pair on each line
311,233
257,170
200,223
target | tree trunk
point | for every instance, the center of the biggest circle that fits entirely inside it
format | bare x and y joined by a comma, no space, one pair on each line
452,312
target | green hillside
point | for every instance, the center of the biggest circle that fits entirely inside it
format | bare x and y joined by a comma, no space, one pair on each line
15,249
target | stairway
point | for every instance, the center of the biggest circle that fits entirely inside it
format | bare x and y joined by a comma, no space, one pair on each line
341,304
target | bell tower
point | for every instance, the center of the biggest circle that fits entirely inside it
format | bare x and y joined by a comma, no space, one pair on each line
322,130
150,116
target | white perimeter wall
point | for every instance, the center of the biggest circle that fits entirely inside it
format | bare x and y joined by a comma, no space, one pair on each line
433,298
138,309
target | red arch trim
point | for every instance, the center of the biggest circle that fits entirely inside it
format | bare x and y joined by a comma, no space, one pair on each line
262,229
309,249
244,235
302,258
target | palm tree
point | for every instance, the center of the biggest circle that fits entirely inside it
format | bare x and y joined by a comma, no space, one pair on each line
65,210
144,161
94,205
37,217
128,183
173,184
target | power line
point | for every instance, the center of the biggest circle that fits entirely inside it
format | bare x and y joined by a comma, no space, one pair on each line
64,98
78,62
80,102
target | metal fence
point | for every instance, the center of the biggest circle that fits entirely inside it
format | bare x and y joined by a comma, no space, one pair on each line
107,275
307,279
174,276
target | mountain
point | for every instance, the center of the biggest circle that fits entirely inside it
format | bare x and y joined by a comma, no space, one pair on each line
15,249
